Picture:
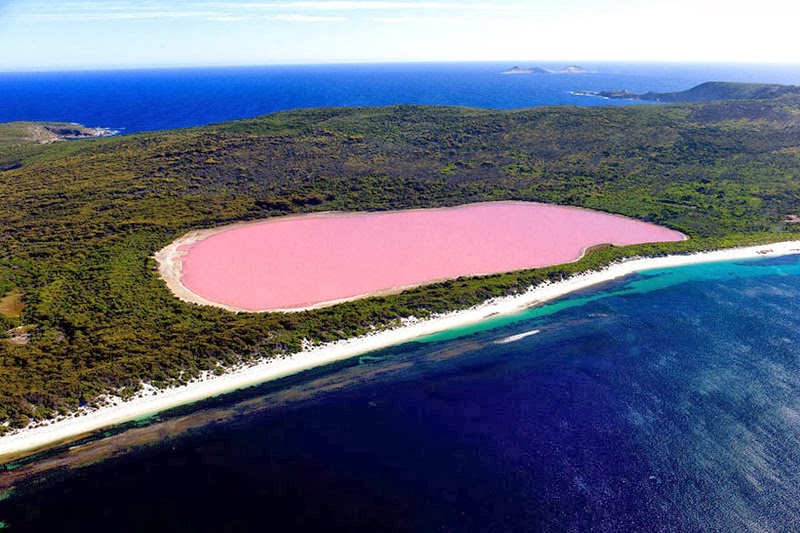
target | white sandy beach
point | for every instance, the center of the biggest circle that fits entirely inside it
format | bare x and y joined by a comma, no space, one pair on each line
36,437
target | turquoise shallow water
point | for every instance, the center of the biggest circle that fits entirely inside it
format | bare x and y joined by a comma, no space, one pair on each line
644,282
666,401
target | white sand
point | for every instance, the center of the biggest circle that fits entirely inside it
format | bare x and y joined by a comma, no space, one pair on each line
144,405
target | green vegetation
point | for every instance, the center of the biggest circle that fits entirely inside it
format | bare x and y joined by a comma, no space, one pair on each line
81,220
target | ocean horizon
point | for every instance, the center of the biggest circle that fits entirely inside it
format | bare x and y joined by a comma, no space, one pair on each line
132,101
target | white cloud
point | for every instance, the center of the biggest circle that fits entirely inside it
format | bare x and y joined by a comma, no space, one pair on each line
308,10
130,15
227,18
293,17
350,5
443,19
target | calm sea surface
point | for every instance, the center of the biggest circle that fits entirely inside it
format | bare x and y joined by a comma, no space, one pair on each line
667,401
145,100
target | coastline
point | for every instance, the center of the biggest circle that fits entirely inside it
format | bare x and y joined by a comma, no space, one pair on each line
151,402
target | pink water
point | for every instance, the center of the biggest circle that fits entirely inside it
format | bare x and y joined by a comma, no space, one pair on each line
287,263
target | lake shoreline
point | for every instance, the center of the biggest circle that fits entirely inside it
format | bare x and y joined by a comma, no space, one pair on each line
449,249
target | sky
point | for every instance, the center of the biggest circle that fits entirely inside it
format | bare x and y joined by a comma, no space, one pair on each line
61,35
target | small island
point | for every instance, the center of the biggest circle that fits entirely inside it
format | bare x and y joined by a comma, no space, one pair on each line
572,69
569,69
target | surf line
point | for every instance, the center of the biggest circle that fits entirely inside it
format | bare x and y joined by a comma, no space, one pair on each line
518,336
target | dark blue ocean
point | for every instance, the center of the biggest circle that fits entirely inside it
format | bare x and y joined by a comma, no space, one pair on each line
146,100
666,401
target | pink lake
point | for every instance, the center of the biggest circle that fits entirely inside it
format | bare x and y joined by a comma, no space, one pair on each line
304,261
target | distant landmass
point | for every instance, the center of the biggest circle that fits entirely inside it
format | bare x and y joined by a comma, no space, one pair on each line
569,69
706,92
12,133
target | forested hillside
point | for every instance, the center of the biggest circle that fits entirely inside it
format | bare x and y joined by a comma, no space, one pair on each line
712,91
80,220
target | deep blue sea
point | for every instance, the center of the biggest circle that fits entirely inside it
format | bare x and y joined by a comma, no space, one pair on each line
666,401
146,100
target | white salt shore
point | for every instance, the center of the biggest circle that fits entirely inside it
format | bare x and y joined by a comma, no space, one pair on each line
151,403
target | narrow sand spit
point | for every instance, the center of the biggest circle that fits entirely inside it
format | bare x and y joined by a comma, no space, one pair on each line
62,430
304,262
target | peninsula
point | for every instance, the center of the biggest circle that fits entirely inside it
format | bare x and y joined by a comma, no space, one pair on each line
16,133
706,92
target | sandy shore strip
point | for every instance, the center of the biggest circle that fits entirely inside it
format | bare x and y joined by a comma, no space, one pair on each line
151,403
